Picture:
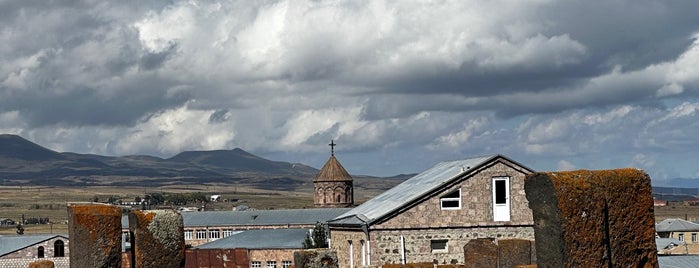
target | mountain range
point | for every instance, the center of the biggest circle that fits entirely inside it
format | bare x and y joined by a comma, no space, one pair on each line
23,162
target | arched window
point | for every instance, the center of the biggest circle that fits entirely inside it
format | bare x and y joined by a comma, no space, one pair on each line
337,199
58,249
40,253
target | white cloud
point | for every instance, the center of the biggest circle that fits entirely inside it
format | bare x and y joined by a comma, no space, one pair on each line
564,165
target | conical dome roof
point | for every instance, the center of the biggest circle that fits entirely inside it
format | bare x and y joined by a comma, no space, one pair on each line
332,171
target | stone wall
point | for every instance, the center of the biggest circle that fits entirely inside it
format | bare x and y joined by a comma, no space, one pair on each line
197,242
333,194
277,255
339,243
95,235
24,263
157,240
476,203
32,252
386,247
593,218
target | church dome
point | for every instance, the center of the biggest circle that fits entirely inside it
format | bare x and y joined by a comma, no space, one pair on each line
332,171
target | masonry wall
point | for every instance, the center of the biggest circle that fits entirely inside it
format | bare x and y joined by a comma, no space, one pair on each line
24,262
196,242
386,247
476,203
340,243
32,252
277,255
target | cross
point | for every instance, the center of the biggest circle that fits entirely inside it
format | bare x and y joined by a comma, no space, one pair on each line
332,147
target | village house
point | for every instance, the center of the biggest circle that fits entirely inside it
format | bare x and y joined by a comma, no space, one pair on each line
20,250
431,216
686,232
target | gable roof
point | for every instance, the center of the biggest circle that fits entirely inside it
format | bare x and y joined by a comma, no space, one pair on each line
260,217
664,243
675,225
261,239
422,184
12,243
332,171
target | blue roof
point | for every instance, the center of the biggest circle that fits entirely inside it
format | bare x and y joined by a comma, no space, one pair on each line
662,243
12,243
260,217
678,261
412,189
261,239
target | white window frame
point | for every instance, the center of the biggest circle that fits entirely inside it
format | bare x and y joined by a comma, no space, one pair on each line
256,264
450,199
271,264
680,237
694,238
214,234
502,211
227,232
286,264
188,234
201,234
439,250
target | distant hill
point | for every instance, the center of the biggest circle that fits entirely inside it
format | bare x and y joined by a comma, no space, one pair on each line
23,162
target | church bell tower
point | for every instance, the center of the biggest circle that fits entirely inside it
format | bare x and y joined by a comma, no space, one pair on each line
332,187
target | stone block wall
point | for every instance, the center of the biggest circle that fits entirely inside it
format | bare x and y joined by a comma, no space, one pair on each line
316,258
276,255
340,244
386,248
598,218
32,251
476,203
24,263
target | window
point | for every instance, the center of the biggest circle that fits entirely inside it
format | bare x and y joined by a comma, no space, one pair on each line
694,237
271,264
286,264
255,264
58,247
227,232
188,234
214,234
40,253
451,200
201,234
680,237
501,199
439,246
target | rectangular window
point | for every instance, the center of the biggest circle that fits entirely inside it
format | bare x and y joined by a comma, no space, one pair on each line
214,234
188,234
227,232
255,264
439,246
694,237
451,200
286,264
680,237
271,264
500,192
201,234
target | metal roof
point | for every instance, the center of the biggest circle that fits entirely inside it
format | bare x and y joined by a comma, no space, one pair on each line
675,225
261,239
415,187
12,243
678,261
663,243
332,171
260,217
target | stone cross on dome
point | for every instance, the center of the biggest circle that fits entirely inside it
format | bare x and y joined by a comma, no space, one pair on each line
332,147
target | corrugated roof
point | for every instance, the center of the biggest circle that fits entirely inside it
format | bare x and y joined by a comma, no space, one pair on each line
261,217
261,239
675,225
662,243
415,187
12,243
678,261
332,171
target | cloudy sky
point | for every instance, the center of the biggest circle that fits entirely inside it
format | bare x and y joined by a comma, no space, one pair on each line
399,85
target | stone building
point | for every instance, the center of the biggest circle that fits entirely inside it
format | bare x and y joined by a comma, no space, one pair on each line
332,187
684,231
20,250
431,216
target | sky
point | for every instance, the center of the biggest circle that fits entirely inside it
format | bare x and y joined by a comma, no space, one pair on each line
398,85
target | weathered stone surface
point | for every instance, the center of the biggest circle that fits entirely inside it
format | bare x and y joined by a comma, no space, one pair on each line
42,264
158,238
414,265
315,258
95,235
515,252
593,218
481,252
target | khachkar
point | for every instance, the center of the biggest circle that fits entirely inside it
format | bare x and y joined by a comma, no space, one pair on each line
600,218
332,186
95,235
158,239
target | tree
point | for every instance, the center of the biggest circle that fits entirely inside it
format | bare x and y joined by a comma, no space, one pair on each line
317,238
